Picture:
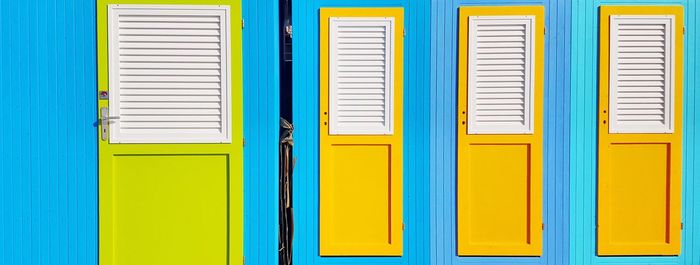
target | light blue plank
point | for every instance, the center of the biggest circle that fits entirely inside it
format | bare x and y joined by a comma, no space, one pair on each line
261,130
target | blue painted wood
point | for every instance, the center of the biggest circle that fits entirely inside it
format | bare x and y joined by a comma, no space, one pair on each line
416,128
443,100
691,140
48,147
584,90
261,130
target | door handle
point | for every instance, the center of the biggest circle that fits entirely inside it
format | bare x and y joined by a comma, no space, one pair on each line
104,121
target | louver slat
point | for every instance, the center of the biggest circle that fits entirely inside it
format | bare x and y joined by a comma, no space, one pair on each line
640,79
361,75
500,70
168,74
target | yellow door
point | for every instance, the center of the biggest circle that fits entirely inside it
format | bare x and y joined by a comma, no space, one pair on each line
639,130
170,133
499,136
361,131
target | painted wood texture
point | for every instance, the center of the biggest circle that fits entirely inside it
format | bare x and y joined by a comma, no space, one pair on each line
584,110
306,109
48,144
261,121
443,139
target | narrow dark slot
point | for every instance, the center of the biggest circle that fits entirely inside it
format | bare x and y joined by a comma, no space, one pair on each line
286,161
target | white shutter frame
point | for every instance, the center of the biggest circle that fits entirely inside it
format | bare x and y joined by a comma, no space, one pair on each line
641,111
485,115
362,117
189,102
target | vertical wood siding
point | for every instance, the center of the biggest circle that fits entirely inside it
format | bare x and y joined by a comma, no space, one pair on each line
584,88
261,130
416,127
690,211
443,102
48,138
48,144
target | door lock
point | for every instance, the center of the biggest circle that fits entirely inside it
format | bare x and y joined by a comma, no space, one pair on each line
105,120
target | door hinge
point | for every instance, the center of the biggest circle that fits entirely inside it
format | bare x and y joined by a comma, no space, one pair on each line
545,30
542,226
403,227
681,225
404,32
683,30
243,141
242,23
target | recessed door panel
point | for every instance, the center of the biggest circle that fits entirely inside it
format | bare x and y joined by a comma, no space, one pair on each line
362,172
639,185
498,205
170,209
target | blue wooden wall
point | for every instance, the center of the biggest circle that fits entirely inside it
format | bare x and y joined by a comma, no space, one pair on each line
416,128
48,146
443,120
584,91
261,130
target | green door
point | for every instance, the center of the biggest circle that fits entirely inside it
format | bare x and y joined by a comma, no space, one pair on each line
170,132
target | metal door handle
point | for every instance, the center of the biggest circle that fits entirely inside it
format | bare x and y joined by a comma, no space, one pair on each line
104,121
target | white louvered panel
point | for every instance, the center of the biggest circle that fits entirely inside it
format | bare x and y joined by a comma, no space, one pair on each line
361,75
500,86
169,74
641,76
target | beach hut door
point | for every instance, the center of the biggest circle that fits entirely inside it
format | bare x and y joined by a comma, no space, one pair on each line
499,152
165,144
639,151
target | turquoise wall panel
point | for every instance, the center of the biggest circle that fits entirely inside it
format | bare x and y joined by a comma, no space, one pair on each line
691,160
584,95
48,139
261,130
416,128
